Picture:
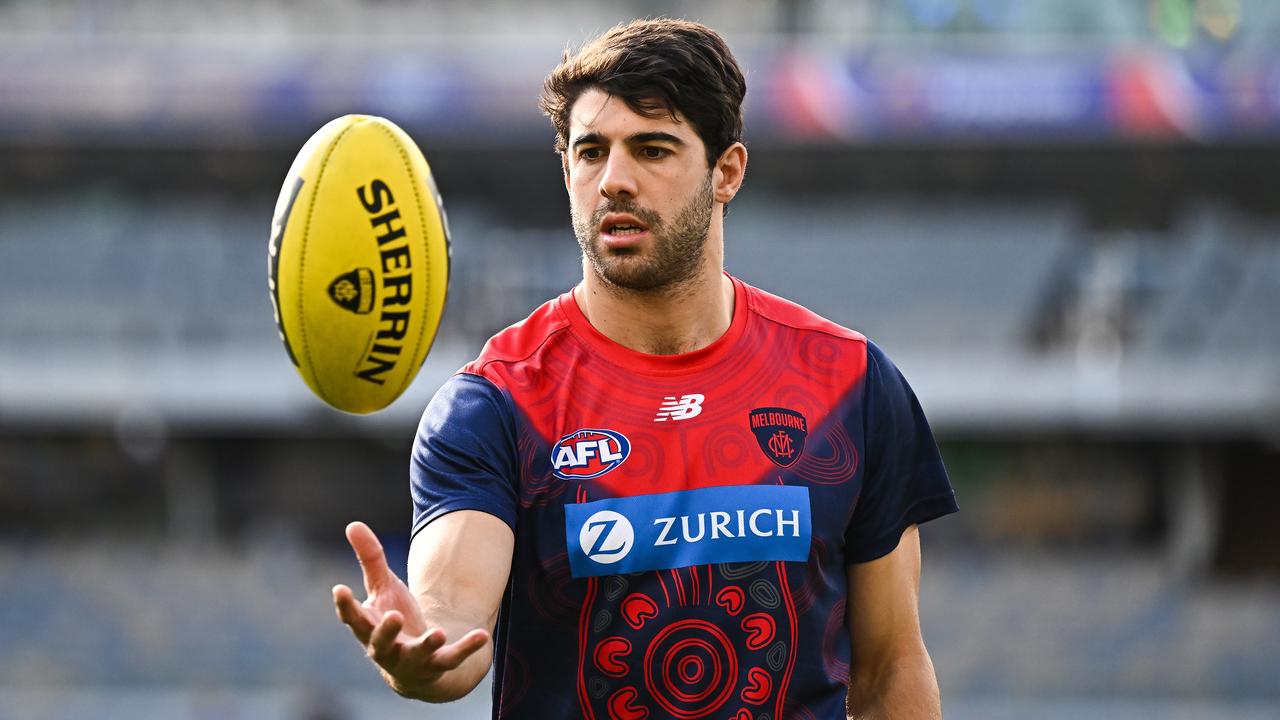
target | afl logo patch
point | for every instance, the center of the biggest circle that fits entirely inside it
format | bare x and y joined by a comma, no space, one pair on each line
589,453
780,432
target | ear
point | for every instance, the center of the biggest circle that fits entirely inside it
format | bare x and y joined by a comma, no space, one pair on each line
564,167
730,169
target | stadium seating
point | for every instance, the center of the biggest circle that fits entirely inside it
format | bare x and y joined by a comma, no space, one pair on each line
114,614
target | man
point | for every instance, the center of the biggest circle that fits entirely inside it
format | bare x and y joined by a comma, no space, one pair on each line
665,494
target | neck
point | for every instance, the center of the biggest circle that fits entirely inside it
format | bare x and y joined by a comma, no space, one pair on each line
663,321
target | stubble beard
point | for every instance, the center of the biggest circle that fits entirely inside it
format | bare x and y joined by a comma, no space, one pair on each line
675,254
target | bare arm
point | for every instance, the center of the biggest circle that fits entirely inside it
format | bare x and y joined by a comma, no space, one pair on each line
892,676
432,638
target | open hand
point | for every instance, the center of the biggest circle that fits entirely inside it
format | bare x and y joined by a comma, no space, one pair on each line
412,655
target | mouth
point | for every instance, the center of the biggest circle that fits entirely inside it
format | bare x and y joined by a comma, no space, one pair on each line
622,231
622,225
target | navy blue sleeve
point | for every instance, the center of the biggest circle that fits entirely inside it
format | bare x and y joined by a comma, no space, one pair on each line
903,479
464,457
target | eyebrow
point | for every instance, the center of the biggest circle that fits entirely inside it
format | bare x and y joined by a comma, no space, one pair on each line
594,138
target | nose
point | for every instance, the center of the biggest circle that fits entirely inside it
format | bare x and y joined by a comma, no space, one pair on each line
619,176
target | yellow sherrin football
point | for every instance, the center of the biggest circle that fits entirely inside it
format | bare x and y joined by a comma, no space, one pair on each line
358,262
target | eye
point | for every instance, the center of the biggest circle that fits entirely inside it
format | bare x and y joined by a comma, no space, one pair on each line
652,152
590,153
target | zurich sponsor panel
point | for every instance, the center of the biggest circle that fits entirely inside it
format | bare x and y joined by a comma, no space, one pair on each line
741,523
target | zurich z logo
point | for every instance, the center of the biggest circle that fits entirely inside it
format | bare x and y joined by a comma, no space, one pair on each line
688,406
606,537
588,453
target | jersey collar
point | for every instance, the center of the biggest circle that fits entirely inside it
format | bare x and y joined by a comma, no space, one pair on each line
658,364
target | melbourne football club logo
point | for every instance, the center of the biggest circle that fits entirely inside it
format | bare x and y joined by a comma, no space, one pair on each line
780,432
588,453
354,291
606,537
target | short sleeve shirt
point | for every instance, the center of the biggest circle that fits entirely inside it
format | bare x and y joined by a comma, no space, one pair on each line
683,524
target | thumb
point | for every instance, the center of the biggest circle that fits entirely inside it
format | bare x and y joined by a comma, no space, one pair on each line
372,559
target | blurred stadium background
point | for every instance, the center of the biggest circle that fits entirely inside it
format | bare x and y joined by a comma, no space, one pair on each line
1062,219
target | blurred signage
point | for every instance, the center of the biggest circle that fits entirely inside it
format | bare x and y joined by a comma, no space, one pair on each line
216,95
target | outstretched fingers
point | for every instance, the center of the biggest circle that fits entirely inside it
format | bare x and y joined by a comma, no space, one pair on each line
387,647
451,656
421,650
382,642
373,561
352,614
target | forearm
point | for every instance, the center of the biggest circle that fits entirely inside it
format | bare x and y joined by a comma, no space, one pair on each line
460,596
903,687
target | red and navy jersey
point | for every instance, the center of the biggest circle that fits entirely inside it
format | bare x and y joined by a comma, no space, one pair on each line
683,524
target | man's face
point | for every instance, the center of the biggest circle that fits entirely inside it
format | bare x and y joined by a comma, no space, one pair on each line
640,193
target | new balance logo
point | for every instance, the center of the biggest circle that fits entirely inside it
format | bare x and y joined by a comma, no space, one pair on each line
687,406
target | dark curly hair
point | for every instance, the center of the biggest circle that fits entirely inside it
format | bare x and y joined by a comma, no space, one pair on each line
661,66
